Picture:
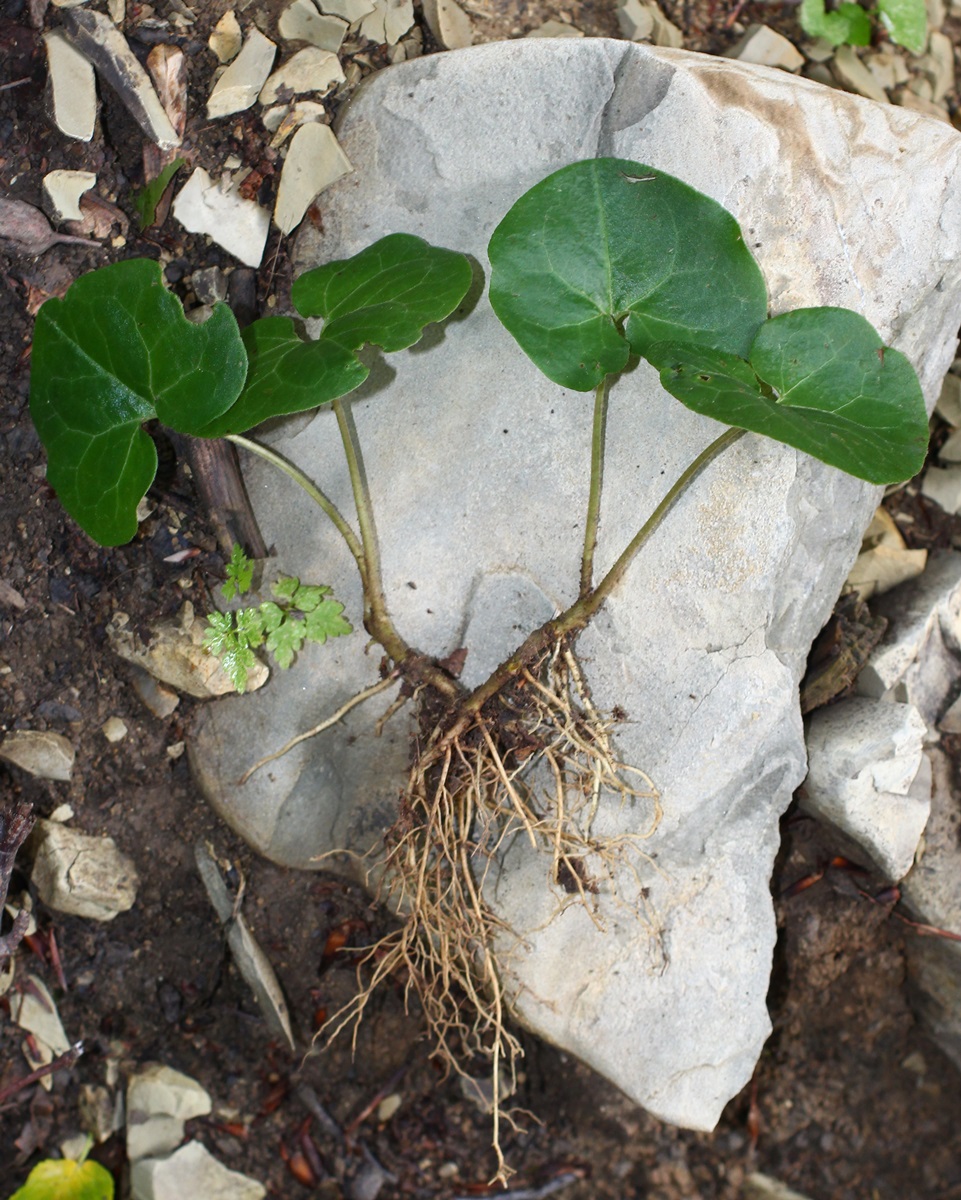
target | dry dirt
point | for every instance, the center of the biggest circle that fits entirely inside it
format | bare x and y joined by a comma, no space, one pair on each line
849,1100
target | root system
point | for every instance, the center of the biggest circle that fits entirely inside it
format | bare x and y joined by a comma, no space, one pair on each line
535,762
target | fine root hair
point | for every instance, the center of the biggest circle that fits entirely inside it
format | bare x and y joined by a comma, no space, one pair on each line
537,762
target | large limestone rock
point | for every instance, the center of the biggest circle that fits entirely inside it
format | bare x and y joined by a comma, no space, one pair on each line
478,468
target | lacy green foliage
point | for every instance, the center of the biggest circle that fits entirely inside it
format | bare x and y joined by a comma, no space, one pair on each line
118,351
905,21
146,200
64,1179
601,261
302,613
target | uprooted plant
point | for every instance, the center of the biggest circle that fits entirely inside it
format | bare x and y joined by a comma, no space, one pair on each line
603,262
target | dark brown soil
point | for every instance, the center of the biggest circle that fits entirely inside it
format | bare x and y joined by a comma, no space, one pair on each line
849,1100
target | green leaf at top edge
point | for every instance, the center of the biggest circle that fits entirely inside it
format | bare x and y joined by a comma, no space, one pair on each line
146,200
848,25
287,374
820,380
607,256
906,22
386,294
65,1179
116,352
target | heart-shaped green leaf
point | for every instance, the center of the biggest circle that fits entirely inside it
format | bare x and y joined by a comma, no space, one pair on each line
64,1179
287,375
386,294
819,379
606,256
848,24
115,352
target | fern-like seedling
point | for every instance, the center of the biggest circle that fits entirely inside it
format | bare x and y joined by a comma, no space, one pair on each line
302,613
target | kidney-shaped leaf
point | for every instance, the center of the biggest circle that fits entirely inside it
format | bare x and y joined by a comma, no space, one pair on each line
819,379
64,1179
116,351
607,256
286,375
386,294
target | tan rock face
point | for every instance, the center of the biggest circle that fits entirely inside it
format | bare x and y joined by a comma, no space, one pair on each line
82,875
45,755
175,655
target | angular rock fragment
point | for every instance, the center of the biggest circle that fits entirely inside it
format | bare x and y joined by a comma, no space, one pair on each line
81,875
388,21
765,46
101,41
664,32
309,70
175,654
161,701
917,661
888,68
44,755
73,87
63,189
449,24
159,1101
226,38
864,757
884,561
555,29
635,19
209,285
240,226
114,730
191,1172
949,400
252,963
938,65
314,161
932,894
239,86
853,75
349,10
943,486
301,22
290,119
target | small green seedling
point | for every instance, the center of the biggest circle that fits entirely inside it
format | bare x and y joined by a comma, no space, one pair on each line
302,613
67,1179
146,200
603,262
905,22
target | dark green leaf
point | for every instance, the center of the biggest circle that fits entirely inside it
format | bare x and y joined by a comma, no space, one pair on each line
906,22
146,200
115,352
237,661
605,257
64,1179
326,621
287,375
819,379
386,294
848,25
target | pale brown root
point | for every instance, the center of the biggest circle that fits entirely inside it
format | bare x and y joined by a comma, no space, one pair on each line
344,709
536,762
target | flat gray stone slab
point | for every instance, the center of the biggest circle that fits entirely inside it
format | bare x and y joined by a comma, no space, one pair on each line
478,469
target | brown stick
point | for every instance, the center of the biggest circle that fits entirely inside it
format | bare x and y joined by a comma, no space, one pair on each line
66,1059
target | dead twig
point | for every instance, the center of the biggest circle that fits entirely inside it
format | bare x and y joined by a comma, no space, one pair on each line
15,826
63,1061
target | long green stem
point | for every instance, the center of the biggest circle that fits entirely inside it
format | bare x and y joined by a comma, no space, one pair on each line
597,480
585,607
314,492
